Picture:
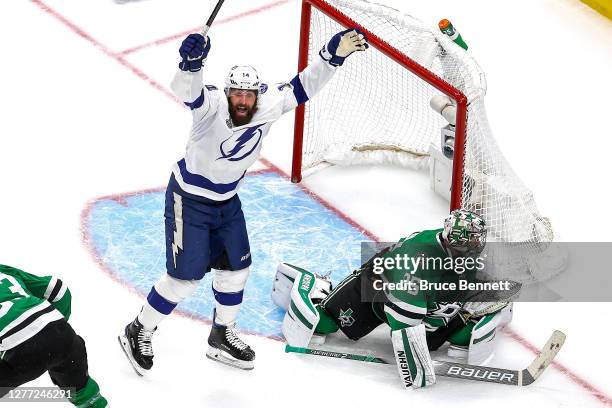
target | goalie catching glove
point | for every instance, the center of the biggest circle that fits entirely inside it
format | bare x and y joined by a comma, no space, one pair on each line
342,45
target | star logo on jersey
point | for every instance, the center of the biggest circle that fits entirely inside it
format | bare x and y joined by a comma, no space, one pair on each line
232,150
444,311
346,317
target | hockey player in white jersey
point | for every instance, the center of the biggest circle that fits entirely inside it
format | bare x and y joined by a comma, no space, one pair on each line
205,226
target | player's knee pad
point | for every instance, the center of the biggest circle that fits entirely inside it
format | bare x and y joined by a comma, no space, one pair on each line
230,281
354,317
228,286
175,290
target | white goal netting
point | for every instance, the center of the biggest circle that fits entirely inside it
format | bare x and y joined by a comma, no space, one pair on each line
375,110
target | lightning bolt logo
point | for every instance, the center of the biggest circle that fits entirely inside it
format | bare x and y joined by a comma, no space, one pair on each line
241,142
177,241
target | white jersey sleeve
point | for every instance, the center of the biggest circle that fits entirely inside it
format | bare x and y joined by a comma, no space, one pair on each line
306,84
189,88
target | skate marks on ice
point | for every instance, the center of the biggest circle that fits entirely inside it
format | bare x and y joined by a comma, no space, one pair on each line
126,235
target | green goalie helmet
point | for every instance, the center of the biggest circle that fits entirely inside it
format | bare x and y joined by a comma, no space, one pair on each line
465,232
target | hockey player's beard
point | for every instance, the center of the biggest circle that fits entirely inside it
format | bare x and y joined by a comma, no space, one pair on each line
241,120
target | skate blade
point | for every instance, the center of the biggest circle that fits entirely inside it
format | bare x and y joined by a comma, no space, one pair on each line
125,346
224,358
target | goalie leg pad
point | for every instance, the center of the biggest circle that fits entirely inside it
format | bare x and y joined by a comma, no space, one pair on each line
414,363
286,275
482,341
283,283
302,315
476,341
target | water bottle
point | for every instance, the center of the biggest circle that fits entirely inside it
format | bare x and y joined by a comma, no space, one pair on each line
447,28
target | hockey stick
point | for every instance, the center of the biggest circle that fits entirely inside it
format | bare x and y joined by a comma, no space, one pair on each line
212,17
519,378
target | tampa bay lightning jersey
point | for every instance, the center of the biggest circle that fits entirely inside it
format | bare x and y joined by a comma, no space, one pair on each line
218,154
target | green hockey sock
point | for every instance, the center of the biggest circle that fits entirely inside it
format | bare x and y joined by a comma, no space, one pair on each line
327,324
89,396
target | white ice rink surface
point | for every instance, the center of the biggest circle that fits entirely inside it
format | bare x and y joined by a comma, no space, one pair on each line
80,120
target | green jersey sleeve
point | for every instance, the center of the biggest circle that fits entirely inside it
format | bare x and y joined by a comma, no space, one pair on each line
44,287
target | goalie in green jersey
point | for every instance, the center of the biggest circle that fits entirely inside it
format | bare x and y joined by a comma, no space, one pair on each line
35,337
390,288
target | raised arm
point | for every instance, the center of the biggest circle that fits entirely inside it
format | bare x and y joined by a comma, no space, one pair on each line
187,84
314,77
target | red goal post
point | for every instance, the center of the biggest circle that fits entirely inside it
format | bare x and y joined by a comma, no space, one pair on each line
402,59
382,105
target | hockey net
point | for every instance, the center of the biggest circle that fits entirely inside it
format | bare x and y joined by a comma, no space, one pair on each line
376,110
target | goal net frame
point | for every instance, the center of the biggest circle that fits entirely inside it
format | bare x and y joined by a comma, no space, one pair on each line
406,62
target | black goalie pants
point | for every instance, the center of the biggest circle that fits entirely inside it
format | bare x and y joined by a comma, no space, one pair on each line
354,306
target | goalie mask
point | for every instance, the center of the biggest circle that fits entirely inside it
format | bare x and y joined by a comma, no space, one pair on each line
464,233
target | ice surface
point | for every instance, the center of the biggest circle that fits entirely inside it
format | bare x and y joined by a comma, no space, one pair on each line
284,223
78,123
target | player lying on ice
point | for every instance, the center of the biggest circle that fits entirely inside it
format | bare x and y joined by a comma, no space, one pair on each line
417,318
205,225
35,337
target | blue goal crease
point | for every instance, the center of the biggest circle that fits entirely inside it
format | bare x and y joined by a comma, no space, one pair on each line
284,224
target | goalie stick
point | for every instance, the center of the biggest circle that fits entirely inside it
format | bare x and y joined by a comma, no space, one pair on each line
519,378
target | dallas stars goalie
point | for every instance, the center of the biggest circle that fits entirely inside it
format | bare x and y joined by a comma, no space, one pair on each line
420,320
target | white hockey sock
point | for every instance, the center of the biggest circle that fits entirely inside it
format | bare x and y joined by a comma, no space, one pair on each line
149,317
228,288
226,315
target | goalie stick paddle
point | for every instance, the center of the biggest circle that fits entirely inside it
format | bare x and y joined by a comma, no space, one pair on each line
471,372
212,17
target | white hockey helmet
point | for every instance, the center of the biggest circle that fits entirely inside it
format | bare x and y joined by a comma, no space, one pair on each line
242,77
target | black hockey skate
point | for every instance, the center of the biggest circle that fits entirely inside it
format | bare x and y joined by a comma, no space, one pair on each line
136,344
227,348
